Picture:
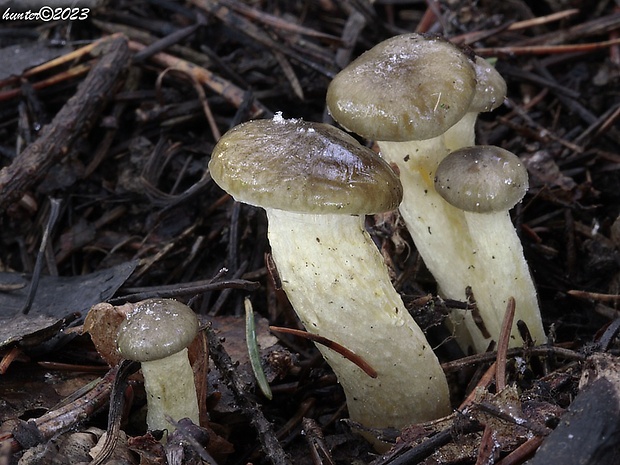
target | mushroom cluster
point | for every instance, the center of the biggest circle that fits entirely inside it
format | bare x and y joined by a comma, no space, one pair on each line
316,184
418,97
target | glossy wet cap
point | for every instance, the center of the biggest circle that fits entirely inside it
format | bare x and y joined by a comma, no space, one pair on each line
409,87
490,87
155,329
303,167
482,179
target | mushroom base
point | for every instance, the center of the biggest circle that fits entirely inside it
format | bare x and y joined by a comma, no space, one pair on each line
170,390
338,284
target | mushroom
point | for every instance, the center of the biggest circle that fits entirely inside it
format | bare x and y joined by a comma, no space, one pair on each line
486,182
157,333
489,94
418,97
316,183
405,93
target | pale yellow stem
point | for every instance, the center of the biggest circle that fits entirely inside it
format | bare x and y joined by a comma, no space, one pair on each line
502,272
337,282
170,390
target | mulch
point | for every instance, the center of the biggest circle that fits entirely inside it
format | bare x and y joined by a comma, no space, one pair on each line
106,128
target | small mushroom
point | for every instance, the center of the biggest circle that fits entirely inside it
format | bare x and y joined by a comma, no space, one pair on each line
486,182
157,333
316,183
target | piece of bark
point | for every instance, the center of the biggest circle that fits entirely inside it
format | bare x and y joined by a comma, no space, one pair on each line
589,431
73,121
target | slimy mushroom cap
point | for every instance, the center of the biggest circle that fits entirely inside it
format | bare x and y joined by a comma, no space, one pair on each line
303,167
408,87
156,329
490,87
482,179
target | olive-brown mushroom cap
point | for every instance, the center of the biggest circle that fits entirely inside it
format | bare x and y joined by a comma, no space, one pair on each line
408,87
156,329
303,167
490,87
481,179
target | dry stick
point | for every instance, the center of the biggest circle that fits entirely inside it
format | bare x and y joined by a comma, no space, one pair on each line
417,453
185,289
346,353
502,345
218,305
201,95
277,22
115,413
595,27
74,120
541,20
68,416
148,262
483,383
487,447
497,412
72,73
316,442
103,148
248,28
568,354
545,49
613,298
227,368
8,358
351,31
304,407
524,451
476,36
143,37
230,92
63,59
55,205
428,18
486,441
603,124
165,42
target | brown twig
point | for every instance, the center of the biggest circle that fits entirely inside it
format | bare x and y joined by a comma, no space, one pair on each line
346,353
264,428
516,351
545,49
68,416
613,298
71,122
217,84
523,452
115,414
502,345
